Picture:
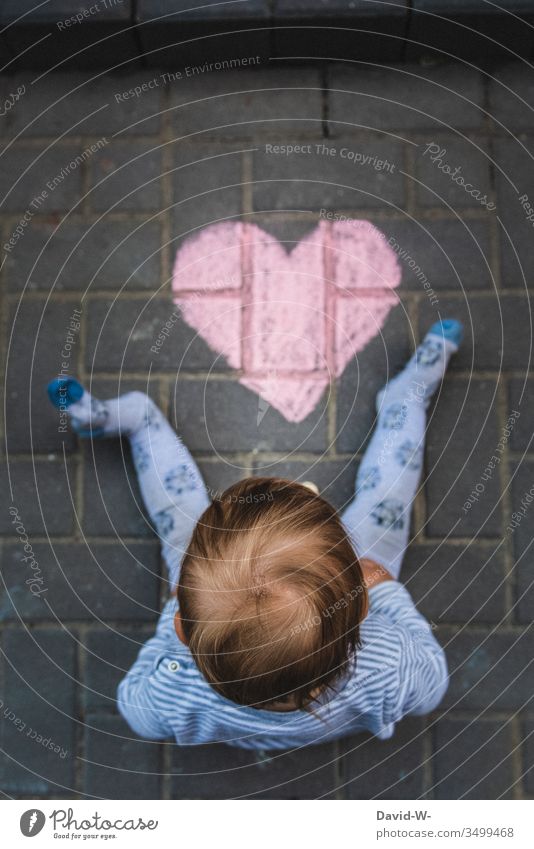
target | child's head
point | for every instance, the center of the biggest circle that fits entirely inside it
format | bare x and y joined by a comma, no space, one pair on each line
271,594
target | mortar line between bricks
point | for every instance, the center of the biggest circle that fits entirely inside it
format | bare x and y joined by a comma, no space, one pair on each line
247,182
437,213
67,142
340,792
140,295
77,217
85,180
207,138
506,504
409,184
428,761
452,628
204,456
517,756
89,539
2,624
167,192
494,235
225,377
80,454
4,326
488,126
79,755
152,539
198,455
331,424
166,772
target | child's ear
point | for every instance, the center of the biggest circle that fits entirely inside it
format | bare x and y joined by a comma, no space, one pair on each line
179,628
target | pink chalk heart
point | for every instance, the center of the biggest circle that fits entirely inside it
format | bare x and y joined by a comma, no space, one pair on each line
288,322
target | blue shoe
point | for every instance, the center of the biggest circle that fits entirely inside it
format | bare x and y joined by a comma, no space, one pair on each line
449,328
64,391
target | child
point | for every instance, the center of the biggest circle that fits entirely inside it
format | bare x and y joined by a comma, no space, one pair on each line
277,635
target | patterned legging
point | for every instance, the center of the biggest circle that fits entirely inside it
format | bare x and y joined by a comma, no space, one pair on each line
377,520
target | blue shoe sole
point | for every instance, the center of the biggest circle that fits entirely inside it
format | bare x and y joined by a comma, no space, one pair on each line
90,434
449,328
64,391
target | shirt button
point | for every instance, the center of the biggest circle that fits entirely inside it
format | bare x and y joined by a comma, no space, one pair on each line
174,666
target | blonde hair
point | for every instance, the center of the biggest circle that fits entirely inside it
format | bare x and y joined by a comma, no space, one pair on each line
271,594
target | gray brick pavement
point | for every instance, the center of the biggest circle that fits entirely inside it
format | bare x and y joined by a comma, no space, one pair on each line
103,242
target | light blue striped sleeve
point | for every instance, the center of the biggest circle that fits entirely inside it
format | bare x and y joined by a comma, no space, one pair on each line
143,694
423,676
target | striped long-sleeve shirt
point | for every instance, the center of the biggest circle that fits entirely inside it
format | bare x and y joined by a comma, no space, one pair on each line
400,669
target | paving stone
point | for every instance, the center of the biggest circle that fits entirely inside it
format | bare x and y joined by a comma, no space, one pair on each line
511,98
451,583
26,171
122,333
521,400
83,581
385,769
462,437
528,754
105,255
223,772
40,712
126,176
82,104
364,376
521,529
435,187
288,230
514,180
322,175
43,337
113,504
249,104
488,669
118,766
335,478
221,415
441,254
108,655
473,759
497,329
207,186
220,473
404,97
41,493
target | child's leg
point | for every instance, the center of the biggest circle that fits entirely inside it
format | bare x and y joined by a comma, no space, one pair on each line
378,520
171,485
